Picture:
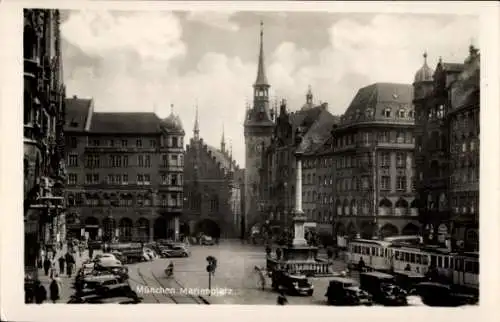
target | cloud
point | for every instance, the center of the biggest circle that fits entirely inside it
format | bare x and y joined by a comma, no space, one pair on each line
137,71
216,19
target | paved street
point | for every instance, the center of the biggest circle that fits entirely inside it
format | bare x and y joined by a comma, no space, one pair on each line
234,278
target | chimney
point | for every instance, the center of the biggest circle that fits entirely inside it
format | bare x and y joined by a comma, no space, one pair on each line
75,97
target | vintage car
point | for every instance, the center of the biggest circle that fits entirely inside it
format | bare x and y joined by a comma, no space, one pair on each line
126,297
175,251
437,294
383,288
408,280
206,240
346,291
291,283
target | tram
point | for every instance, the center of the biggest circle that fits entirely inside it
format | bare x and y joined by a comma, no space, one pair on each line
403,254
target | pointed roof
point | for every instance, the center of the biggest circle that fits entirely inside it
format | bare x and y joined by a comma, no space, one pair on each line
196,128
261,72
424,74
223,139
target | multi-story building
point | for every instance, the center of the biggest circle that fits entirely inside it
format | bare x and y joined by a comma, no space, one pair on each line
258,129
43,138
304,131
373,151
212,186
447,151
125,174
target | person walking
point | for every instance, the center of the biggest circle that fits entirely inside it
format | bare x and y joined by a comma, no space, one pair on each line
70,261
46,265
40,292
282,299
61,264
55,289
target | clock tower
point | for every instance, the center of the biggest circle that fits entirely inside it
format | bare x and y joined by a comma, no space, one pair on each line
258,129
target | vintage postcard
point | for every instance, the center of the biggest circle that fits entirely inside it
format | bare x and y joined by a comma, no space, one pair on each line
278,154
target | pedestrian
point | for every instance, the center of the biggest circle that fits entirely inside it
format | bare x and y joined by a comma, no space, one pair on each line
70,261
54,289
46,265
61,264
40,292
91,252
282,299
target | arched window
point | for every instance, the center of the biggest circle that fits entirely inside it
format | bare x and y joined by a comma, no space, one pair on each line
386,112
401,113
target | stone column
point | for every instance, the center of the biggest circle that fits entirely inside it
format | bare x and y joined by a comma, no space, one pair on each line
176,228
299,218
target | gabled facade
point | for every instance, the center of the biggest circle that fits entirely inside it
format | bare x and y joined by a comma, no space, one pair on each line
213,188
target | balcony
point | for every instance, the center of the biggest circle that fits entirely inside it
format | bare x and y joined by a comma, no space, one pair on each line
170,187
118,149
170,208
172,168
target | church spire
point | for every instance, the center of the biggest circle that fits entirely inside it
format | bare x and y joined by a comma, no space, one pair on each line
309,95
261,72
223,141
196,129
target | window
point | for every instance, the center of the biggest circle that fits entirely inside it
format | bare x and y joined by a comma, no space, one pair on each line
411,114
111,179
401,183
174,142
152,143
401,113
147,179
385,159
164,161
96,143
385,183
140,161
72,178
124,143
96,178
138,143
125,179
118,179
440,112
386,112
365,183
400,160
73,160
148,161
164,179
111,143
173,159
400,137
74,142
125,161
140,179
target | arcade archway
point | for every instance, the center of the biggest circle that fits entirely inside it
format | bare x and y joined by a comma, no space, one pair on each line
388,230
109,225
208,227
92,227
367,230
410,229
143,229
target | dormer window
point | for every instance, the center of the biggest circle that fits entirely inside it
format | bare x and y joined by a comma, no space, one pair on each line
369,113
401,113
411,114
386,112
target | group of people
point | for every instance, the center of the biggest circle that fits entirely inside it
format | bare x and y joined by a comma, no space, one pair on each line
35,291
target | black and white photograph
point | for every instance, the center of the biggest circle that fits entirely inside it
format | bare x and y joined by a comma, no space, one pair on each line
251,157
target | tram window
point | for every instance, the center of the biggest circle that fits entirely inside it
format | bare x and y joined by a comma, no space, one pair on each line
458,265
451,262
440,261
407,257
374,251
433,260
425,260
396,255
468,267
446,262
385,252
412,258
418,259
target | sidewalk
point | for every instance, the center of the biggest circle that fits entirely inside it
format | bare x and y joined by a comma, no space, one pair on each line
67,282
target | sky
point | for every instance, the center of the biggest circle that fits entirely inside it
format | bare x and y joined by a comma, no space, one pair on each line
130,61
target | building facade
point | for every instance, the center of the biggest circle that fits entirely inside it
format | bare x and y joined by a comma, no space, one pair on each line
125,174
43,137
213,189
447,147
374,164
258,129
304,131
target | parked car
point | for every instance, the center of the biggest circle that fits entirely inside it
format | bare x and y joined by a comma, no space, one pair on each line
291,283
207,240
98,257
346,291
150,253
437,294
383,288
175,251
